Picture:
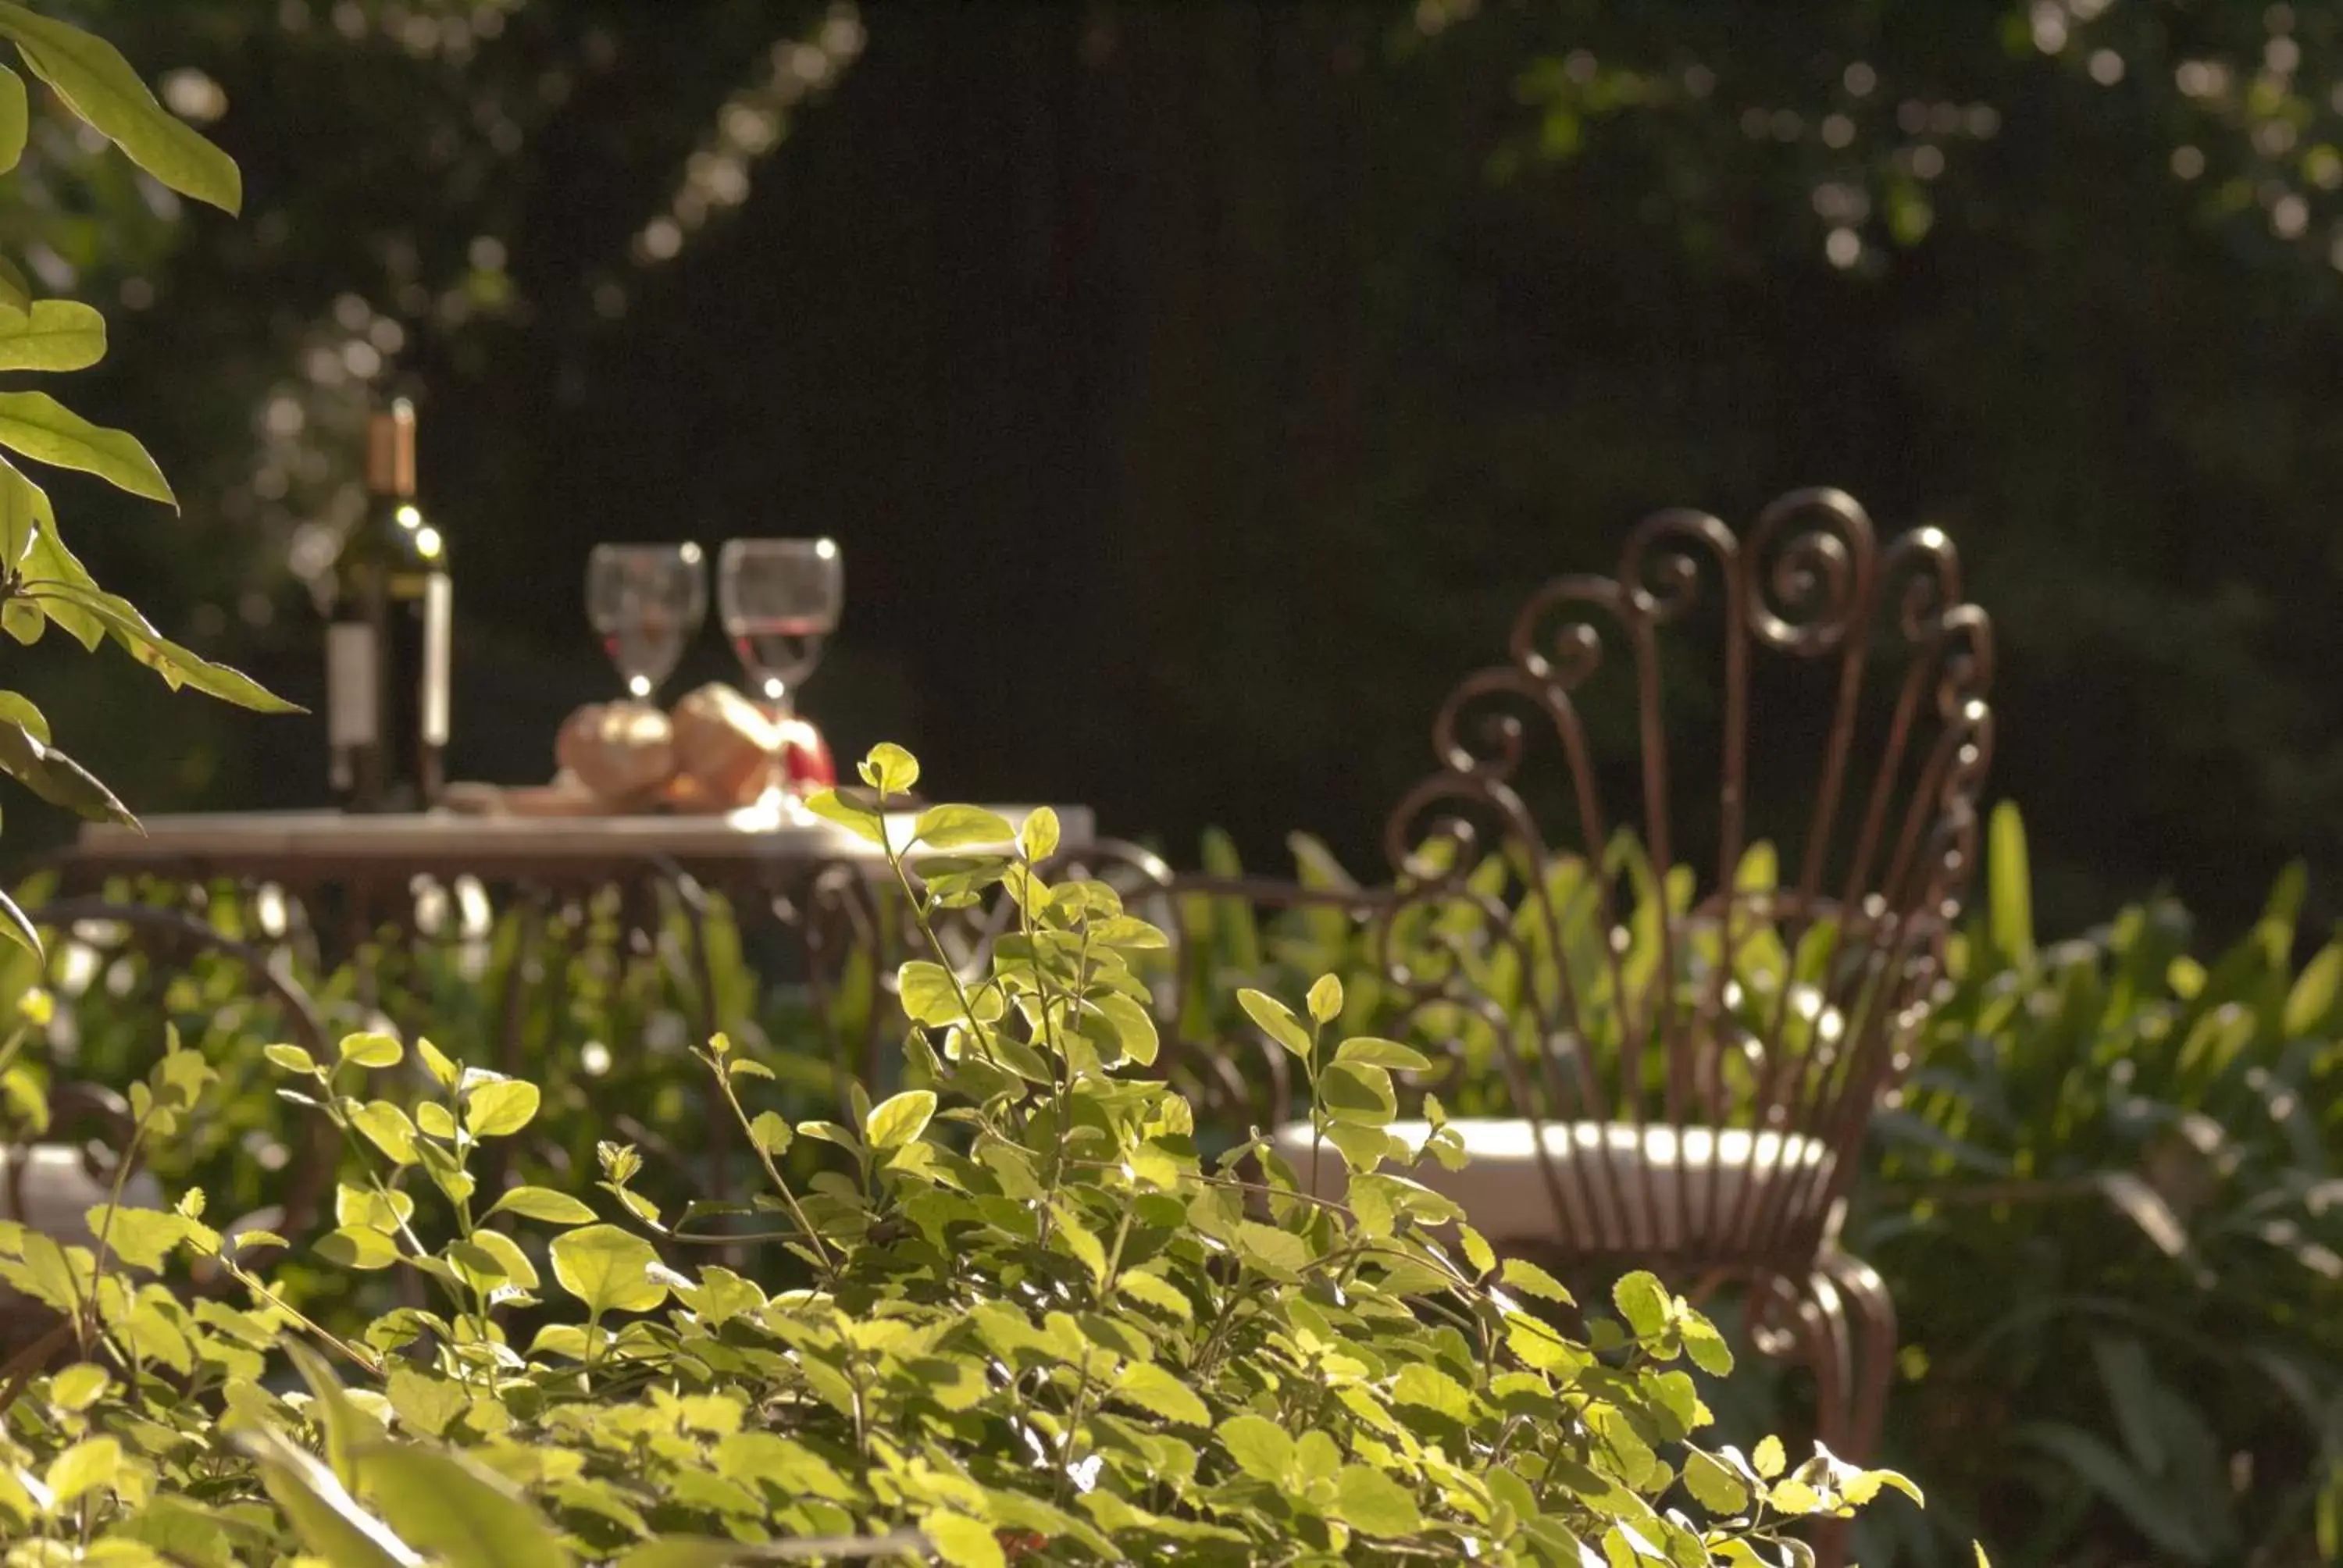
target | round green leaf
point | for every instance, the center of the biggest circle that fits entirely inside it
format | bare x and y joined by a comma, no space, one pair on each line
291,1058
358,1247
890,769
608,1268
505,1106
371,1050
1372,1504
88,1464
960,826
899,1119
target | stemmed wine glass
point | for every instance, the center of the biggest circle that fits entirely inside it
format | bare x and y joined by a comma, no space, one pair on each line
778,598
645,601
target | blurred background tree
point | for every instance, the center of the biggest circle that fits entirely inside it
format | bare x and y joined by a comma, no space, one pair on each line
1195,389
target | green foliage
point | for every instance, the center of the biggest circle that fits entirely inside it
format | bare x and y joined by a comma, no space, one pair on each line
1014,1313
2142,1152
40,579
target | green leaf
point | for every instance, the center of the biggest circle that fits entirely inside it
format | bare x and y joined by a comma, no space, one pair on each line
1866,1485
88,1464
358,1247
371,1050
1276,1021
455,1511
1705,1346
46,564
2313,996
862,821
889,769
177,666
25,515
2010,885
1260,1447
436,1062
15,118
608,1268
542,1203
1135,1027
57,778
142,1238
291,1058
1356,1094
1370,1052
1767,1458
1372,1504
44,429
1038,837
928,993
98,85
770,1132
963,1542
1643,1301
1326,999
1160,1394
899,1119
1156,1292
960,826
79,1386
425,1403
1714,1484
1477,1251
500,1107
1520,1274
58,333
386,1127
1421,1383
1268,1248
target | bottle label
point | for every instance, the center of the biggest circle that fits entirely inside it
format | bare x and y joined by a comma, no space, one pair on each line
352,715
438,611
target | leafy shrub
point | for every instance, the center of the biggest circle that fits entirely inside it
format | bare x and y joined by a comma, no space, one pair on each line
2111,1207
1013,1315
564,994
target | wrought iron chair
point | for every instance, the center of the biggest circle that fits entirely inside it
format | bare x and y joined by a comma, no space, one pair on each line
1678,1077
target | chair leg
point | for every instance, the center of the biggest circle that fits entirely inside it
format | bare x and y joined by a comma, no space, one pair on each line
1872,1344
1840,1324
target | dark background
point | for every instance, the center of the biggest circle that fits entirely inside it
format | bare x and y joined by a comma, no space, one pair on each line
1195,389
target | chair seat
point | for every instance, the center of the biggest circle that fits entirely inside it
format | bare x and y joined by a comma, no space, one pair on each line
1624,1189
59,1192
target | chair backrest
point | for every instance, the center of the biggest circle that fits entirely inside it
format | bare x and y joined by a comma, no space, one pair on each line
1745,945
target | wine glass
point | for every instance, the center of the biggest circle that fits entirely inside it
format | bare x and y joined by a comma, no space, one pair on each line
778,598
645,601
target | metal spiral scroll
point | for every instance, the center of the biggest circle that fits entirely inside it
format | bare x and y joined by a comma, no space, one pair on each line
1813,582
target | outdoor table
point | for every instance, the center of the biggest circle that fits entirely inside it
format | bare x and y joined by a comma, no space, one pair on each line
362,872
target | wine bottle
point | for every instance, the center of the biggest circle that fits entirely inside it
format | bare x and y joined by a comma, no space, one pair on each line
386,648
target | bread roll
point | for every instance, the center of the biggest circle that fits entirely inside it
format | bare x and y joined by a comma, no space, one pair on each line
725,745
624,752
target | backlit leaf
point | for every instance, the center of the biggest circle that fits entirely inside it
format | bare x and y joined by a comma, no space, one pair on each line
98,85
1276,1021
543,1203
608,1268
